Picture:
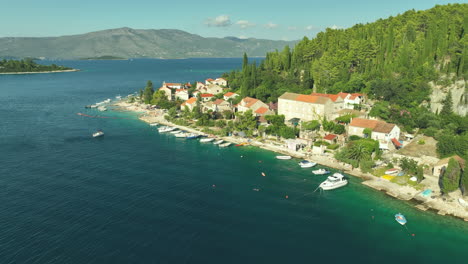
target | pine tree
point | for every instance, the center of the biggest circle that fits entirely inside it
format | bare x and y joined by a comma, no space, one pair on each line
448,104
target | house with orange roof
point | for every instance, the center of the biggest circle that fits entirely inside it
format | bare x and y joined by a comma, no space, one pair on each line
214,89
338,102
218,105
220,81
305,107
168,91
182,94
229,95
190,103
173,85
209,81
381,131
200,85
350,100
206,97
263,111
249,103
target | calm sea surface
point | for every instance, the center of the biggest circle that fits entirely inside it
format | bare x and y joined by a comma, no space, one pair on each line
136,196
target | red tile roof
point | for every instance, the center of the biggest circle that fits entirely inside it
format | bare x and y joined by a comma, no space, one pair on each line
209,80
181,90
262,110
330,137
218,101
207,95
375,125
308,98
191,100
173,84
333,97
396,143
229,94
249,101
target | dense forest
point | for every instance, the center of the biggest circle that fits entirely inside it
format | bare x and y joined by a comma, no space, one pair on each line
391,60
27,65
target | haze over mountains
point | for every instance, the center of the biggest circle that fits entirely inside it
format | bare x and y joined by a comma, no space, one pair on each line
136,43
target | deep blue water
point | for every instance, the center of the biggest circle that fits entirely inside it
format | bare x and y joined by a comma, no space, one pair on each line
136,196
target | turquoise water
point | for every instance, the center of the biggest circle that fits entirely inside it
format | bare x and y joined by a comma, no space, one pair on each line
136,196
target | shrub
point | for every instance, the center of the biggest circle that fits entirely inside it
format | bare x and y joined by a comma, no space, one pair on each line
421,142
333,146
354,137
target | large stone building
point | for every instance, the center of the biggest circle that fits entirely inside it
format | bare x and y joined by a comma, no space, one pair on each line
305,107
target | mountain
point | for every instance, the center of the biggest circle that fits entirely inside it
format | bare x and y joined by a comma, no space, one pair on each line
135,43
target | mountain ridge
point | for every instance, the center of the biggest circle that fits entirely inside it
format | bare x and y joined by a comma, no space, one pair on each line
136,43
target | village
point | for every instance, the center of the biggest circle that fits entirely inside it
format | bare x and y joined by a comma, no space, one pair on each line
324,128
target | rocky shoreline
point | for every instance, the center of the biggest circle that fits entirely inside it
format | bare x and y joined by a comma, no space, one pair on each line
71,70
406,193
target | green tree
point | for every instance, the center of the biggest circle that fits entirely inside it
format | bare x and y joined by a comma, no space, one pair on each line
447,105
148,92
451,177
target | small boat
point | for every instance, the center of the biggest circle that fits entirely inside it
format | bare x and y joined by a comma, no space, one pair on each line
242,144
166,129
88,106
93,106
101,108
118,97
106,101
283,157
98,133
463,202
320,172
154,124
335,181
401,219
307,164
175,132
181,135
218,142
392,171
227,144
192,136
207,139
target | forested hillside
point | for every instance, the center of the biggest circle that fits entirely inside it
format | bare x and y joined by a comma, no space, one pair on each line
392,59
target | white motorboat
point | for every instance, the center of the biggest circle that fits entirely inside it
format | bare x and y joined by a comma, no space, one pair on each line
181,135
98,133
307,164
283,157
218,142
154,124
207,139
320,172
101,108
335,181
107,101
166,129
227,144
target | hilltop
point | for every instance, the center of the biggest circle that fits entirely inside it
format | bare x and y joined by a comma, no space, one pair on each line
135,43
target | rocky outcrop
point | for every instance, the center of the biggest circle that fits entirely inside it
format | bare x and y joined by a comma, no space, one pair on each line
459,90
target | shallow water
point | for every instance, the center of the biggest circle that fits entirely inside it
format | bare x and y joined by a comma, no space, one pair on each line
136,196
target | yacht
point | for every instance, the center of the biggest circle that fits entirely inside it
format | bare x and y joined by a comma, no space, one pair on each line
335,181
307,164
98,133
320,172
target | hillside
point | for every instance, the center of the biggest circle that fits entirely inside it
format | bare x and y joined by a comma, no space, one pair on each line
135,43
392,59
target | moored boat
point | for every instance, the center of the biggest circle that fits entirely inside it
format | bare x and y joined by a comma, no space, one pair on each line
175,132
98,133
283,157
392,171
181,135
166,129
241,144
227,144
101,108
335,181
218,142
320,172
401,219
154,124
207,139
192,136
307,164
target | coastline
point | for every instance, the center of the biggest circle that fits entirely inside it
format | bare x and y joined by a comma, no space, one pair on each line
72,70
404,193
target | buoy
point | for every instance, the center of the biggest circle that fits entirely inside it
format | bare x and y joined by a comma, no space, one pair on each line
214,186
259,161
242,156
287,197
413,234
263,174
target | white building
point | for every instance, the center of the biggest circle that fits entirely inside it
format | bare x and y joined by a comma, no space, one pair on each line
305,107
383,132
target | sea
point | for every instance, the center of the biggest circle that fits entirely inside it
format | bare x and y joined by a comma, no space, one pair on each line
137,196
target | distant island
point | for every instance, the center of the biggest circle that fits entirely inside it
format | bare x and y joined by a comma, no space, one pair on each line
27,66
105,57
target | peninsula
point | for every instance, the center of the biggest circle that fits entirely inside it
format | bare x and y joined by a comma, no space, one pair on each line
28,66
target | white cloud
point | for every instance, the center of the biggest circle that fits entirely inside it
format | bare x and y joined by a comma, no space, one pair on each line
271,25
219,21
245,24
311,27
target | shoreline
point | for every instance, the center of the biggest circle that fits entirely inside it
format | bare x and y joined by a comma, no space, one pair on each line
72,70
403,193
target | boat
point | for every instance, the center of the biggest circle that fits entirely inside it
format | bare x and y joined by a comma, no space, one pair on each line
154,124
175,132
227,144
181,135
192,136
241,144
463,202
320,172
283,157
401,219
98,133
218,142
335,181
207,139
166,129
107,101
392,171
101,108
307,164
118,97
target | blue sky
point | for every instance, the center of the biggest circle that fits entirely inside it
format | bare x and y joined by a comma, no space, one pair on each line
288,20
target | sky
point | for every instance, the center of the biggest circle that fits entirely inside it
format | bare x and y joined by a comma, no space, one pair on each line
268,19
